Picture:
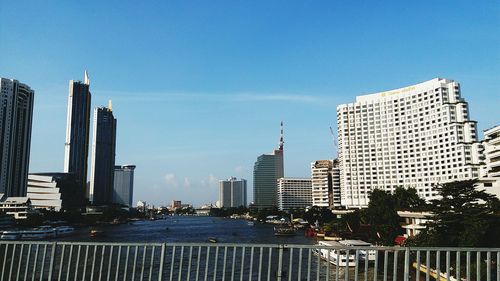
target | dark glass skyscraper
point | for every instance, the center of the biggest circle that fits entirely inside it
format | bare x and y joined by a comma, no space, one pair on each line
102,169
77,131
16,115
267,170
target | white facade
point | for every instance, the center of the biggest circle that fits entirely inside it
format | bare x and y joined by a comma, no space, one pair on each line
491,152
294,193
232,193
415,136
325,176
19,207
415,222
44,193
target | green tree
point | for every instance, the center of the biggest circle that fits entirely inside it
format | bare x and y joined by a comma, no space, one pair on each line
463,217
382,216
407,198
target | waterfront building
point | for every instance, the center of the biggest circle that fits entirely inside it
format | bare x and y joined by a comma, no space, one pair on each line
19,207
325,175
232,193
267,170
294,193
123,188
103,156
414,222
76,147
16,113
176,204
490,170
415,136
55,191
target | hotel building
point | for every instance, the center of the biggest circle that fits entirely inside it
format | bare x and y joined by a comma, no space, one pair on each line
415,136
16,115
294,193
232,193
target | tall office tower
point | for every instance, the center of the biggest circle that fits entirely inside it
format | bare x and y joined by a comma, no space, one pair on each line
76,148
123,187
267,170
233,193
16,113
102,169
294,193
415,136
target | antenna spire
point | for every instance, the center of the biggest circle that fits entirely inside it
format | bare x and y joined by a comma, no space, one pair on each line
86,79
281,137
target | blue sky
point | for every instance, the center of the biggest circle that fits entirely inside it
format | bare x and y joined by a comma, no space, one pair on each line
199,87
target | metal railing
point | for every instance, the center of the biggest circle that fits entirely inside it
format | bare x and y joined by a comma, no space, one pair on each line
253,262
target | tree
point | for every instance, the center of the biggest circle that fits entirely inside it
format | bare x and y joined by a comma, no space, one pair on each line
407,198
382,216
463,217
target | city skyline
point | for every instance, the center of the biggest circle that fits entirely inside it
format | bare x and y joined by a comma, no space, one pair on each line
209,90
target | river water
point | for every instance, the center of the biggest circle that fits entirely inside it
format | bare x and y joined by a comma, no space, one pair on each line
190,229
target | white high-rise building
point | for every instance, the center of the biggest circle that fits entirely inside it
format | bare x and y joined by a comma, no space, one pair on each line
232,193
415,136
16,114
294,193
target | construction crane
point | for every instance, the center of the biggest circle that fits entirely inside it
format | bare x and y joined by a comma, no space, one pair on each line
335,144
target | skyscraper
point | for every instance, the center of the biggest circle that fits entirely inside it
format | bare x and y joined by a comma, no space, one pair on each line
16,113
267,170
76,148
232,193
415,136
123,186
102,169
325,175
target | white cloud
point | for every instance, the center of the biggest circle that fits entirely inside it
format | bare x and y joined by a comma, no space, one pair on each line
170,180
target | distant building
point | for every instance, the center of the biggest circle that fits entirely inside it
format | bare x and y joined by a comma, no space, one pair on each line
325,175
416,136
16,114
103,156
294,193
141,205
76,148
176,204
55,191
233,193
267,170
123,189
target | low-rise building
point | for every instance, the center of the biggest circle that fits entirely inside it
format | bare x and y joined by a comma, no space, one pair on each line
414,222
294,193
19,207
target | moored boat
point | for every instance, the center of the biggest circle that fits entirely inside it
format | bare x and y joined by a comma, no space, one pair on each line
94,233
62,231
284,231
212,239
11,235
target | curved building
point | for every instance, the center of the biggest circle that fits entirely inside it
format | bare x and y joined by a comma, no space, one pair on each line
414,136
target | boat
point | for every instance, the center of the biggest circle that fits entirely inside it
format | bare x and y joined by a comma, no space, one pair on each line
284,231
332,238
11,235
94,233
337,257
35,234
364,255
250,223
62,231
212,239
49,231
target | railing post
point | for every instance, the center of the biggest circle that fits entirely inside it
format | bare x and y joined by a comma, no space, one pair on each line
280,262
52,258
162,258
407,264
